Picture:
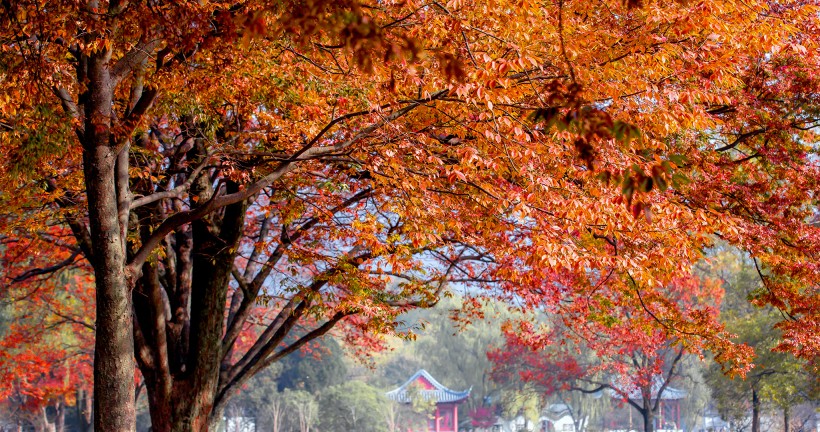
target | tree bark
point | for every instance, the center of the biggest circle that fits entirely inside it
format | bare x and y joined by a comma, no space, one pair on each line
215,247
755,411
114,346
181,412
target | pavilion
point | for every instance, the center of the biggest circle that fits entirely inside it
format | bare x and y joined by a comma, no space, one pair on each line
669,407
447,401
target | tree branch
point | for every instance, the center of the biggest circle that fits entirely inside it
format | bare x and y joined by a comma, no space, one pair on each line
668,379
176,192
241,377
46,270
285,167
251,290
740,139
82,235
133,58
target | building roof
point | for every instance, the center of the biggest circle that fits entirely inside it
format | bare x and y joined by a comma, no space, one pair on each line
634,392
430,389
556,411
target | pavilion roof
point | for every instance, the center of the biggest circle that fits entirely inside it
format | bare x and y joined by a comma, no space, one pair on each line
430,389
634,392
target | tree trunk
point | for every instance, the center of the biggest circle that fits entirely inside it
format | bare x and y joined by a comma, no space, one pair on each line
59,419
183,412
159,405
648,420
84,411
186,403
786,419
755,411
276,415
114,346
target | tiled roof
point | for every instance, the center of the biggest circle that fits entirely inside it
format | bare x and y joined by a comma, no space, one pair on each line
439,393
634,393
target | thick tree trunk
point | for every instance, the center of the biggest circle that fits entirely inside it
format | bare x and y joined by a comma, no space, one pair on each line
186,403
114,346
755,411
215,245
159,405
182,412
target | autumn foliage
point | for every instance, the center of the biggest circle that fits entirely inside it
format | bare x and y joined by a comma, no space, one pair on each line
46,352
247,178
616,345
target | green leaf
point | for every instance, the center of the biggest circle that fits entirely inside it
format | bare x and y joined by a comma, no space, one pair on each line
678,159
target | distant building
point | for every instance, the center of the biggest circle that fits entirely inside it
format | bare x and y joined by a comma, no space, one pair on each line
668,417
558,418
445,418
712,422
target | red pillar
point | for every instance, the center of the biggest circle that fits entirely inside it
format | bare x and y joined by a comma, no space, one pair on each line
677,414
660,416
438,419
455,417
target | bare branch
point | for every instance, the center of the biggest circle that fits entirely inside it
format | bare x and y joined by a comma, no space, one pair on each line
251,290
241,377
668,378
176,192
243,284
46,270
67,102
133,58
290,238
82,235
89,326
740,139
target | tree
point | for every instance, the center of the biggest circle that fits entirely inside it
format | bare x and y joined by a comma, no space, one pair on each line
208,156
459,354
353,406
777,379
303,407
616,351
275,412
639,386
321,367
262,400
585,410
45,349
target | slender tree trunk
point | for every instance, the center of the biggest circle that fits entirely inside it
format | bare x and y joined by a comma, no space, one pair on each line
786,415
84,411
114,345
59,420
755,411
39,425
648,420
